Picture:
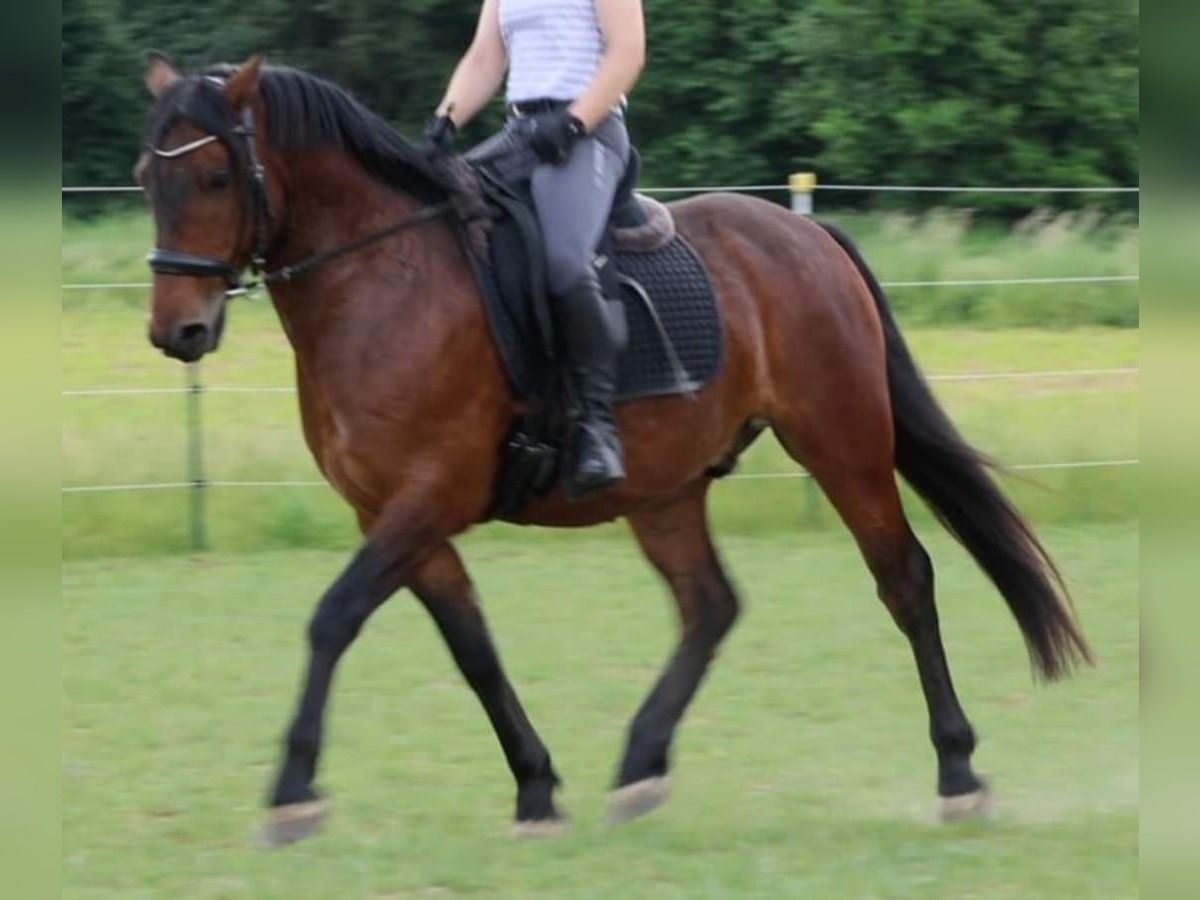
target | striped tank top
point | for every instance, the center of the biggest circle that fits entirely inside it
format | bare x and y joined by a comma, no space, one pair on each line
554,47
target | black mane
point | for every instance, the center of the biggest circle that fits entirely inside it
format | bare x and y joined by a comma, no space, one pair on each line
303,112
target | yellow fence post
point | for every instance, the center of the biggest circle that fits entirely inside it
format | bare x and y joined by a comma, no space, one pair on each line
802,185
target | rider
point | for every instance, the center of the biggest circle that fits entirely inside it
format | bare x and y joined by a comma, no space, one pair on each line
569,63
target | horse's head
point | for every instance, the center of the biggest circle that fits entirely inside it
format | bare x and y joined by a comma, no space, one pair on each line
209,194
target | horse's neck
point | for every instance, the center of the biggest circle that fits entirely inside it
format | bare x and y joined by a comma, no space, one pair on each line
331,311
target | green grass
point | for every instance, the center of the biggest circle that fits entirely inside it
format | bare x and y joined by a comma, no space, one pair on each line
803,770
947,245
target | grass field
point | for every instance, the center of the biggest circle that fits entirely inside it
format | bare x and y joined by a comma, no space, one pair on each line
803,769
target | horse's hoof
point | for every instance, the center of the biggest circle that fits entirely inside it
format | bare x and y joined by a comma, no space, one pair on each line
291,823
635,800
977,805
532,829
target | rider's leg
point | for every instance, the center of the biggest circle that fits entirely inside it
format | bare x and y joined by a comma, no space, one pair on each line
573,203
593,331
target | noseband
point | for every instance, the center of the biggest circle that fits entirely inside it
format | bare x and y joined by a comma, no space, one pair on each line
164,261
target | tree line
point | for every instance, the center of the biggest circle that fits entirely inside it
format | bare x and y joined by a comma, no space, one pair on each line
897,91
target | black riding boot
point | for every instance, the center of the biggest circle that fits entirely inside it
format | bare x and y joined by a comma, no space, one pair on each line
593,331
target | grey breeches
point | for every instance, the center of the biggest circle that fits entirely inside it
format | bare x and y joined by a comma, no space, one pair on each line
573,200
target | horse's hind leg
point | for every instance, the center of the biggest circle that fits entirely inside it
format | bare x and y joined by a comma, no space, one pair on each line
674,536
855,470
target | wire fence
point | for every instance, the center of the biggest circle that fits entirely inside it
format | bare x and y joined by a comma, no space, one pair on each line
956,377
752,476
197,483
965,282
767,188
763,188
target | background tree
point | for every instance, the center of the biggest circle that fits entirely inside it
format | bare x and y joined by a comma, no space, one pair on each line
102,100
966,91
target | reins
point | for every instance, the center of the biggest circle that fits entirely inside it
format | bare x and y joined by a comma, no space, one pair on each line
164,261
285,274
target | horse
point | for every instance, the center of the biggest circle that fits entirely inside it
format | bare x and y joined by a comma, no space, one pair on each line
404,405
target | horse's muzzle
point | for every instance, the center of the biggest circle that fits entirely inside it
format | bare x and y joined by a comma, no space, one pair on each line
191,339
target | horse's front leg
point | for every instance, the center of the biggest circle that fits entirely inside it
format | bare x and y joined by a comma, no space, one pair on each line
443,586
385,562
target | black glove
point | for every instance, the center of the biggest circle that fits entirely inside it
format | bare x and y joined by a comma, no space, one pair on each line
439,137
554,136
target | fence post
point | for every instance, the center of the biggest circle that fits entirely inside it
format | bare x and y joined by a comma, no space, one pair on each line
802,185
195,457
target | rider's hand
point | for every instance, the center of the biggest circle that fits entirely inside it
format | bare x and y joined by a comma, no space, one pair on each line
439,137
554,136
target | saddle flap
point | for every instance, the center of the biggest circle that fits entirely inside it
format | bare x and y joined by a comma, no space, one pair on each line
517,260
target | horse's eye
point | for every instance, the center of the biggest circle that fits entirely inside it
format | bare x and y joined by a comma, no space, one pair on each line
218,180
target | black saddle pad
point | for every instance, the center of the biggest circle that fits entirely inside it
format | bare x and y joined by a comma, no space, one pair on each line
680,352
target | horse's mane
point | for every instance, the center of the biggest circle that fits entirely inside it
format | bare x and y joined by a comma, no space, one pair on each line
303,112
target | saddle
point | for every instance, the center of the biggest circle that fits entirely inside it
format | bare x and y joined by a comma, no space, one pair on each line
675,341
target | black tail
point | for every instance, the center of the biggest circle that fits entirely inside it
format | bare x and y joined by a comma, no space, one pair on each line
952,478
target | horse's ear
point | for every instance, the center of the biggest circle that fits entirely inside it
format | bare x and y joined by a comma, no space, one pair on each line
243,83
160,73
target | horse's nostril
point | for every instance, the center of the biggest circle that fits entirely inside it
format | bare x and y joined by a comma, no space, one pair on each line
192,333
189,341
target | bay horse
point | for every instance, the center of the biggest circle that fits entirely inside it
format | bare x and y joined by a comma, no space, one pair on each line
404,406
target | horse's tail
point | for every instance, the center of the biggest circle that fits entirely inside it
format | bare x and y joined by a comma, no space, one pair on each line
952,478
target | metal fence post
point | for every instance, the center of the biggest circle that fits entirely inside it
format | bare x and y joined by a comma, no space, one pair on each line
195,456
802,185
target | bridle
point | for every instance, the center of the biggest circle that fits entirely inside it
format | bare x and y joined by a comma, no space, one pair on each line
164,261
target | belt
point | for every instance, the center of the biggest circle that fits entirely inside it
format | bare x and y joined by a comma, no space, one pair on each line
536,107
526,108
